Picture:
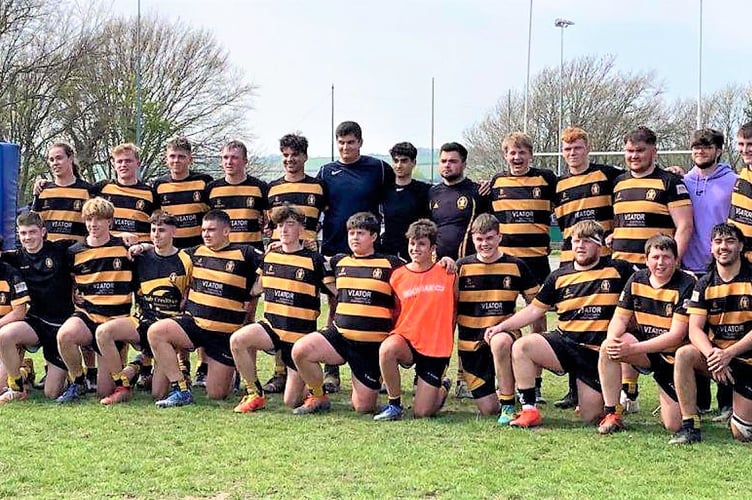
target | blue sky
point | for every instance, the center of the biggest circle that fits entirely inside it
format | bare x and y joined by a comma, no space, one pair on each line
381,54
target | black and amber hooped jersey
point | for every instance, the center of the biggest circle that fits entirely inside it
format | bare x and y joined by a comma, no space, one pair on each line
365,301
13,290
727,307
523,205
740,213
162,284
244,203
60,207
655,308
585,196
641,210
586,300
187,201
103,277
308,195
292,284
220,285
487,295
133,206
454,208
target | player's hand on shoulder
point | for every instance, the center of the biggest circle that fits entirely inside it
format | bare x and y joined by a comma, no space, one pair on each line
676,170
39,185
449,264
129,239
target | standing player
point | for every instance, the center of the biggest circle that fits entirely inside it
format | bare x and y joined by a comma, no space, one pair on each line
585,297
656,298
102,277
223,274
182,192
405,202
454,204
362,320
161,274
45,269
720,321
424,331
489,283
583,192
60,200
354,183
291,279
308,194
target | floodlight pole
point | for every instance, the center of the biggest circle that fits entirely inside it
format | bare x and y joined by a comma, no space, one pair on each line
561,24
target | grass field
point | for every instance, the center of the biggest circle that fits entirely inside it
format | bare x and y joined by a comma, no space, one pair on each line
204,450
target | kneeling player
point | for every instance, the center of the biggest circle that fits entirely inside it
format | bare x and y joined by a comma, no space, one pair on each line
657,299
489,283
424,333
720,329
362,320
584,296
162,274
102,276
291,280
219,294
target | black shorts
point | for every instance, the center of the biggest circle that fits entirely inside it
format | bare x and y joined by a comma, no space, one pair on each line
479,369
742,373
363,357
142,327
539,266
47,334
216,344
663,372
575,358
430,369
284,348
92,326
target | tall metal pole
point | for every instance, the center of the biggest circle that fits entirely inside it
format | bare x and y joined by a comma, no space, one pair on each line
433,100
561,24
527,75
699,75
333,138
139,119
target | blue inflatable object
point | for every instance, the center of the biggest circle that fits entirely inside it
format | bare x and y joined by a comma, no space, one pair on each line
10,162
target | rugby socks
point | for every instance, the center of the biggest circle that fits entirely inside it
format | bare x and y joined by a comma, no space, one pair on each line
629,386
180,385
254,387
280,370
120,379
538,382
396,401
691,421
15,383
527,398
316,390
78,379
616,410
506,399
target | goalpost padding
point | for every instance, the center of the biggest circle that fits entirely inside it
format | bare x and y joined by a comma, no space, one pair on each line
10,162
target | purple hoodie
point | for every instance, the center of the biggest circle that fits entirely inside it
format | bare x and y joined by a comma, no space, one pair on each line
711,200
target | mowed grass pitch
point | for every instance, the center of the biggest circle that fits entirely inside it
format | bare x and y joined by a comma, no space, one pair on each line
204,450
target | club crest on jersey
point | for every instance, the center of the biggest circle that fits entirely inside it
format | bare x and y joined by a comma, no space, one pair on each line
299,274
218,203
650,195
117,264
77,205
269,270
595,189
536,192
434,205
501,193
3,298
618,196
196,196
378,273
140,204
568,293
605,286
311,200
249,202
669,310
507,283
462,202
48,263
173,278
230,266
744,302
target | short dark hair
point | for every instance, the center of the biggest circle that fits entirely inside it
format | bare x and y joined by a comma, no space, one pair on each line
726,229
455,147
364,220
181,143
161,217
745,131
287,211
641,134
422,228
297,143
235,144
349,128
30,218
661,242
707,137
218,216
484,223
404,149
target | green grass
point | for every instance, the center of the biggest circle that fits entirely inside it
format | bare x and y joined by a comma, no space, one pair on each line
134,450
